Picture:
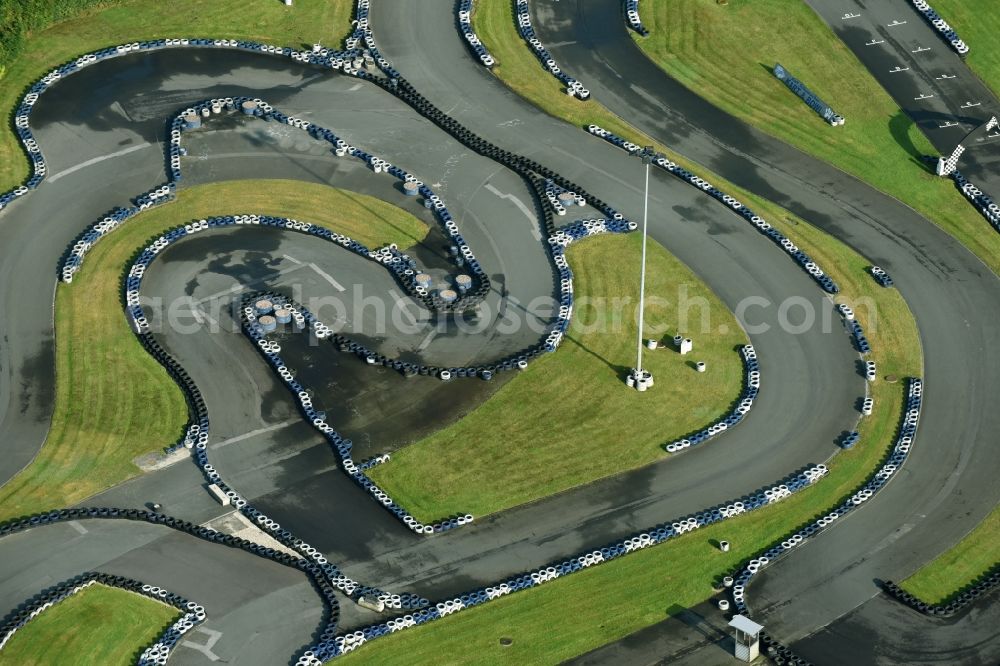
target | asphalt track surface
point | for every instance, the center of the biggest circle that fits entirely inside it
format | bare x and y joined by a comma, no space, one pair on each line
287,470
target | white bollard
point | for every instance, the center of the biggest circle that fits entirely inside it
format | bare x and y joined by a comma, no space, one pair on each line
650,344
686,346
700,366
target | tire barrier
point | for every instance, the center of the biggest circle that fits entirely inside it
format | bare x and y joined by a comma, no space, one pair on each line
559,197
939,24
986,584
650,537
855,328
881,277
465,26
522,16
778,653
632,17
403,267
155,654
270,350
983,202
807,96
882,476
751,370
803,259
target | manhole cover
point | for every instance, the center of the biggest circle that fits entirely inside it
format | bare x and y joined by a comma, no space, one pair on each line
892,379
506,641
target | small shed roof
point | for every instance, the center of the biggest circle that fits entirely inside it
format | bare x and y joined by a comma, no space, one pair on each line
746,625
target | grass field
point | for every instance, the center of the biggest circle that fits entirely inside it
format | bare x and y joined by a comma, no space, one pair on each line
113,401
545,439
979,29
580,612
308,21
944,577
98,626
724,52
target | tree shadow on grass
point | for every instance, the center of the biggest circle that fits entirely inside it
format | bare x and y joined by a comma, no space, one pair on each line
899,127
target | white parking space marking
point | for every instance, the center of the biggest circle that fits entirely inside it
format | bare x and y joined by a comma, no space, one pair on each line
206,648
326,276
520,204
254,433
83,165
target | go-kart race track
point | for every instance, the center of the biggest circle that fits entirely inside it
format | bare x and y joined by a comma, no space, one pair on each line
103,132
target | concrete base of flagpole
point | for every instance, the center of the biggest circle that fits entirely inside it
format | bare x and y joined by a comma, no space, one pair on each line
640,380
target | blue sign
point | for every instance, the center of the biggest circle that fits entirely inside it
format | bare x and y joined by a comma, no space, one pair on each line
814,102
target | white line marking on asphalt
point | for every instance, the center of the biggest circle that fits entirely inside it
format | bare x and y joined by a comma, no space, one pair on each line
524,209
237,288
426,341
899,69
356,86
921,49
874,42
78,527
200,316
291,259
895,23
84,165
206,649
969,105
404,306
850,16
254,433
923,96
326,276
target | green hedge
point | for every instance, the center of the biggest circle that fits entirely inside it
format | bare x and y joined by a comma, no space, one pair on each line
19,18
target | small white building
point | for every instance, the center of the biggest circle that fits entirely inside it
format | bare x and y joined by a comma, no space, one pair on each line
747,632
